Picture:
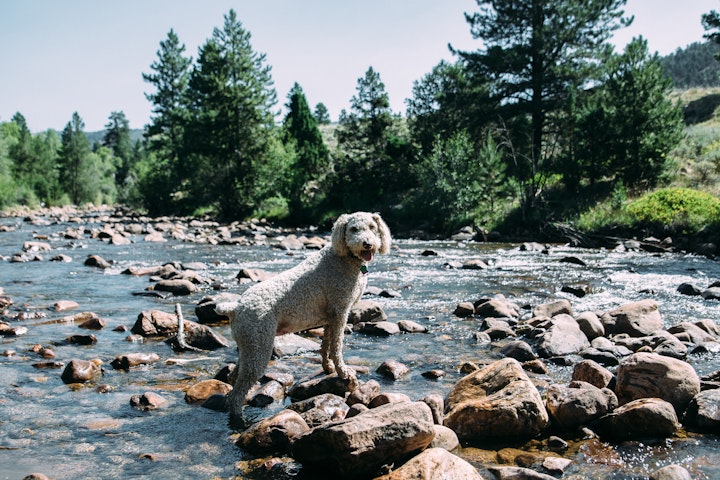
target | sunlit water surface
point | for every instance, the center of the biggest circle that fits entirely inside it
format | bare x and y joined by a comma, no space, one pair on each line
45,426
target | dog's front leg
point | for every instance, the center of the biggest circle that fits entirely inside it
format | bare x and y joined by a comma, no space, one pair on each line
332,357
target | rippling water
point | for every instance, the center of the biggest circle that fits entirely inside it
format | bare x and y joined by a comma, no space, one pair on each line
45,426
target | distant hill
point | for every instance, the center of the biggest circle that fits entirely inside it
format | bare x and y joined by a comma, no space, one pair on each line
96,137
694,66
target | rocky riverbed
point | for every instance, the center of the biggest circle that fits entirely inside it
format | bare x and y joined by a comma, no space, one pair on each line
486,360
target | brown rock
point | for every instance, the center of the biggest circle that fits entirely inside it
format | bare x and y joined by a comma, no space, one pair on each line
274,434
434,464
125,362
80,371
206,388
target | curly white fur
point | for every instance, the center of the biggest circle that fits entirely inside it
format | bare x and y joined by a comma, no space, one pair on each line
318,292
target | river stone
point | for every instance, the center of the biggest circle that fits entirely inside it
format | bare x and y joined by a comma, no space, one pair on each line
437,406
267,394
445,438
273,434
176,287
703,412
709,326
408,326
519,350
205,309
578,404
148,401
317,386
712,293
637,319
671,472
80,371
366,311
384,398
125,362
96,261
644,375
93,323
392,369
497,307
199,336
690,332
321,409
382,329
554,308
201,391
292,344
32,246
498,401
155,323
642,418
593,373
432,464
364,393
64,305
464,309
590,325
562,338
689,289
357,447
517,473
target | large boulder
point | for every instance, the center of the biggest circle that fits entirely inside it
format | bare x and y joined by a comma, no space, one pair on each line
644,375
579,403
637,319
703,412
498,401
358,447
562,337
434,464
274,434
643,418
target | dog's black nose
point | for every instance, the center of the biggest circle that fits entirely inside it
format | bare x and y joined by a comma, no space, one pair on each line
367,246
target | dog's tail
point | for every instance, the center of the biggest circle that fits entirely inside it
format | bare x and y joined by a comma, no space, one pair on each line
226,309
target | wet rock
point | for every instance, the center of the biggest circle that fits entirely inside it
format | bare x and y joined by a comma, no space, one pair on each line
562,337
642,418
517,473
201,391
689,289
644,375
321,409
590,325
254,275
36,476
445,438
364,393
82,339
199,336
712,293
93,323
703,412
48,365
384,398
434,463
32,246
205,309
273,434
474,264
497,329
292,344
671,472
357,447
393,369
317,386
382,329
64,305
434,374
129,360
497,401
156,323
497,307
96,261
366,311
437,406
553,308
593,373
577,289
519,350
7,330
267,394
61,258
532,247
689,332
637,319
408,326
148,401
80,371
464,309
176,287
578,404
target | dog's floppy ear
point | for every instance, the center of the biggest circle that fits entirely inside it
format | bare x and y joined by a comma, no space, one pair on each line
338,236
384,233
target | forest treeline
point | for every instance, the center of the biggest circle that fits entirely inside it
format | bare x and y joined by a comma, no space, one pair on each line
546,109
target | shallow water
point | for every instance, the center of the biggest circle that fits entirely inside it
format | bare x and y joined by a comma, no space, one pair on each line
45,426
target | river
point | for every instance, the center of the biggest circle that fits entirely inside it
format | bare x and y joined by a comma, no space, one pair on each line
49,427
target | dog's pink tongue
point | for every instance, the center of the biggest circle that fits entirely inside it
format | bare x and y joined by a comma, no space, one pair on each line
367,255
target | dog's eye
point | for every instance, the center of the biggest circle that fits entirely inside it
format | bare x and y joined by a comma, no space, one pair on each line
354,229
373,226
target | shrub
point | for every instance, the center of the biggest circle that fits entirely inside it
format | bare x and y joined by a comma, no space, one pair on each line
679,208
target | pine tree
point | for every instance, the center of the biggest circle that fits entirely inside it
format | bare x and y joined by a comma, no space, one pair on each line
117,139
74,162
312,158
230,132
322,115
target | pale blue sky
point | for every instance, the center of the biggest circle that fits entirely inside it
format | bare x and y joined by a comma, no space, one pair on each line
62,56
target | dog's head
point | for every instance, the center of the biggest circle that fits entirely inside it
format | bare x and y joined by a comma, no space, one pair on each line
360,234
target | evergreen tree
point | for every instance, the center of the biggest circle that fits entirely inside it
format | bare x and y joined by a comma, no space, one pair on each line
533,52
45,184
322,115
312,158
117,139
74,162
161,178
231,125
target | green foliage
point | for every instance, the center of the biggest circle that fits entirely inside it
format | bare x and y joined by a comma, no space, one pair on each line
322,115
694,65
681,208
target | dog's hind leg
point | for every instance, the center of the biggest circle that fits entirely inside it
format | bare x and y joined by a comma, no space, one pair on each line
254,353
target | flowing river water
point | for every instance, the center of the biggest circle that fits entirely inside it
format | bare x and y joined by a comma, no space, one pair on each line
49,427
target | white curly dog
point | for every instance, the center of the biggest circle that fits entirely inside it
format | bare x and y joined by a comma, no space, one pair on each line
318,292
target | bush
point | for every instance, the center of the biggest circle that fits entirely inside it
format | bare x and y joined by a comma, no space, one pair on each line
679,208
